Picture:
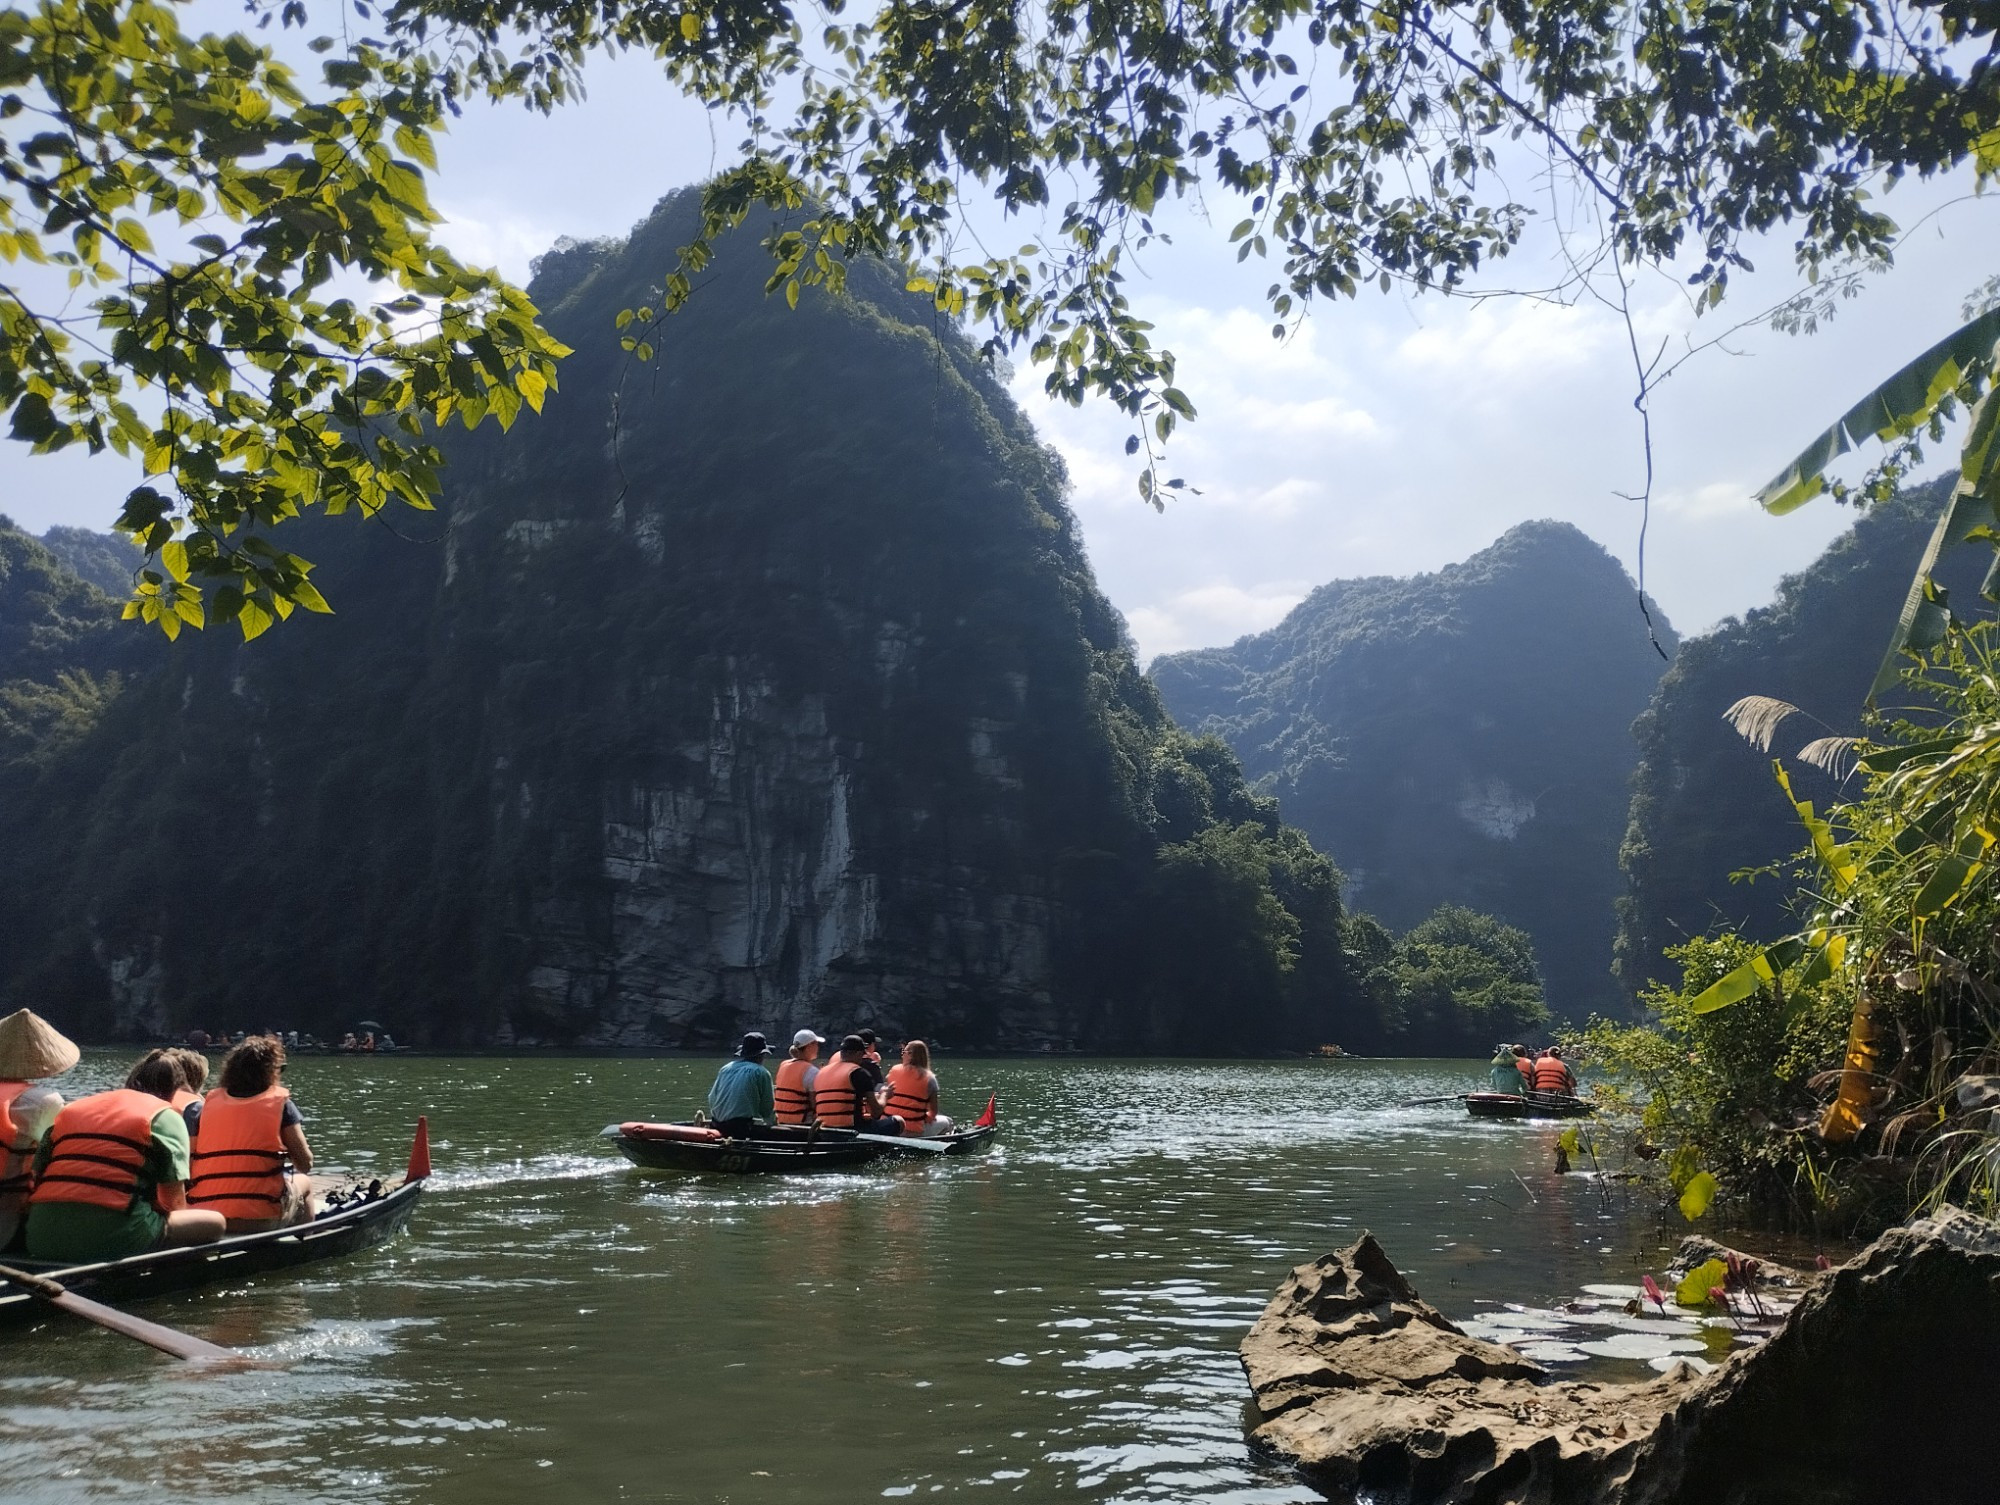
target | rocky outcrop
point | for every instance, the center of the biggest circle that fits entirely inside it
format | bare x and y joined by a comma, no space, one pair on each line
1374,1392
1877,1390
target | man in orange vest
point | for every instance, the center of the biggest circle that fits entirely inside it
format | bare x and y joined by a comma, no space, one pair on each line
793,1090
1552,1073
111,1173
848,1092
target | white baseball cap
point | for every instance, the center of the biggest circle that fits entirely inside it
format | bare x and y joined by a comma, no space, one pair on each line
807,1037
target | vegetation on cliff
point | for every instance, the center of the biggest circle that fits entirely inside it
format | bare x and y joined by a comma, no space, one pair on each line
1459,738
764,681
1703,803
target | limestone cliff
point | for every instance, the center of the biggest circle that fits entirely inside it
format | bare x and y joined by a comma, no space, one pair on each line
764,683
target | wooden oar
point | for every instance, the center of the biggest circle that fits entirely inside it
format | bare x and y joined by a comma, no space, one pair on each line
906,1142
1425,1102
180,1345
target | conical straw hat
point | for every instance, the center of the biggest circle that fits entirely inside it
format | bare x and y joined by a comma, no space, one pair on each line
31,1047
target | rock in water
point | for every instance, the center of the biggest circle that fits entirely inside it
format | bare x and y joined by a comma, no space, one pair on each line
1878,1391
1375,1393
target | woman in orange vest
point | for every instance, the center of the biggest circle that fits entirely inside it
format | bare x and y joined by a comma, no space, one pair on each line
243,1131
30,1048
913,1092
794,1086
1552,1073
110,1175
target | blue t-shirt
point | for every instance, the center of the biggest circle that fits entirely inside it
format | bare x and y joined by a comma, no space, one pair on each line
743,1089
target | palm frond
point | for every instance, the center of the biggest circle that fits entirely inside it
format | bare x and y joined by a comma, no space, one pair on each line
1834,755
1758,717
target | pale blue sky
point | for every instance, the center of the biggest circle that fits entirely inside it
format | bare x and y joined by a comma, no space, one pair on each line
1392,434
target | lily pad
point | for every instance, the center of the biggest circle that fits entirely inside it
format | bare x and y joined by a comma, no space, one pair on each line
1615,1292
1553,1353
1638,1346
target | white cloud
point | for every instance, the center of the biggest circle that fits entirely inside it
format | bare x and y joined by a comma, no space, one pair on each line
1211,614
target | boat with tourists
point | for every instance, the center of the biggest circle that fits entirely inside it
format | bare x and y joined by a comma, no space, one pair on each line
785,1149
1526,1105
361,1218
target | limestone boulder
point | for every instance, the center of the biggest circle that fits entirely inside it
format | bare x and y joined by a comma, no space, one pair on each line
1878,1390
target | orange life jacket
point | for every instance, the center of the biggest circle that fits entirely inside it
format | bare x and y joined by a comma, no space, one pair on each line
794,1096
179,1101
834,1095
239,1155
17,1152
97,1150
1553,1075
910,1095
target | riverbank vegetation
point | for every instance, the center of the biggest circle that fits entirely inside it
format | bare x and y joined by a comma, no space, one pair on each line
1848,1073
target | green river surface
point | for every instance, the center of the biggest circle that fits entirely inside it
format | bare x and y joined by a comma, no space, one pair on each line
1056,1318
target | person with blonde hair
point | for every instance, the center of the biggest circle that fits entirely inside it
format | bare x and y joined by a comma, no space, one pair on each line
193,1068
30,1048
913,1092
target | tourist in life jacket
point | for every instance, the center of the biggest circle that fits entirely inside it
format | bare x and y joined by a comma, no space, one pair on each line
913,1092
243,1131
847,1094
1524,1067
742,1096
111,1175
793,1091
1552,1073
30,1048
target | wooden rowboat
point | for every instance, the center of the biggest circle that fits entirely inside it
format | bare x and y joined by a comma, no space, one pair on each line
1526,1105
784,1151
369,1217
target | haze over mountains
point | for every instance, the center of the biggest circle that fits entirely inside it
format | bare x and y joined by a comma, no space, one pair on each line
1460,737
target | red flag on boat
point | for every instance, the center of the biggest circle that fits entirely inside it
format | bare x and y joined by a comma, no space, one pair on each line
420,1153
989,1119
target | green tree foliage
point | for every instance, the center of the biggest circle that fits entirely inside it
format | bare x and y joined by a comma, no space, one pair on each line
1360,145
176,211
204,197
1464,980
105,560
1703,805
1732,1090
1457,738
570,771
1895,950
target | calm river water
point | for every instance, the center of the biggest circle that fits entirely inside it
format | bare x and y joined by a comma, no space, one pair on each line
1057,1318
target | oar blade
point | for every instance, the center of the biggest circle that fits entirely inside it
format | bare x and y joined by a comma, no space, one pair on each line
906,1142
180,1345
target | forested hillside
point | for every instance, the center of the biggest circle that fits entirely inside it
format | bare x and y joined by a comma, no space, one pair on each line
1459,738
1704,803
763,684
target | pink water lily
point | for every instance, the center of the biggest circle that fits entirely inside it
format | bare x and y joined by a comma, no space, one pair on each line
1653,1293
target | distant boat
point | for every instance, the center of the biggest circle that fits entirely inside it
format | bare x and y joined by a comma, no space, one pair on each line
1526,1105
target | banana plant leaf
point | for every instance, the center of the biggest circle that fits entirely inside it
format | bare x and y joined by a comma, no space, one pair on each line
1852,1108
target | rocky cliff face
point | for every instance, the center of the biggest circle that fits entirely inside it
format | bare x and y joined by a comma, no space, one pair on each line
1454,738
758,685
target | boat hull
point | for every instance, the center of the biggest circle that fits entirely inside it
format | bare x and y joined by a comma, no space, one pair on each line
1525,1105
159,1272
789,1152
